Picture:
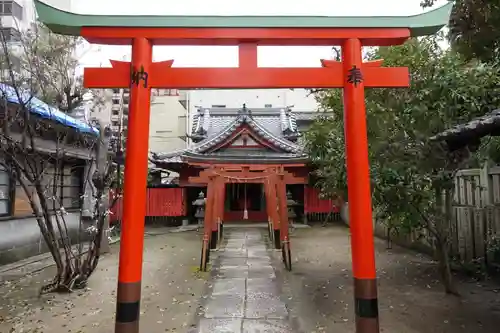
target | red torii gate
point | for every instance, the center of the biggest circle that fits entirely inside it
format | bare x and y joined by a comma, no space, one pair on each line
142,74
273,177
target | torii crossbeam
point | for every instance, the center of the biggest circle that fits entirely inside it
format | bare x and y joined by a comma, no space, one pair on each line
247,32
163,75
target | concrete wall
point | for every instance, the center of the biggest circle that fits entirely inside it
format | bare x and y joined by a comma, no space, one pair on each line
167,125
21,238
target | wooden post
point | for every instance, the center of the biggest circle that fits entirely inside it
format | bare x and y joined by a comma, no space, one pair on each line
215,214
222,209
267,193
275,215
358,177
283,212
207,225
218,211
134,210
486,185
284,226
488,213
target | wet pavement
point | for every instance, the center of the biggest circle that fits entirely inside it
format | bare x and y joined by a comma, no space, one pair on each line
245,297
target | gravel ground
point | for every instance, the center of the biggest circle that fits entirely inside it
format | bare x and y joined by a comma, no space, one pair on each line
170,295
411,299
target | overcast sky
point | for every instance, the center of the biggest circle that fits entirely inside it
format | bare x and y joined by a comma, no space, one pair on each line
192,56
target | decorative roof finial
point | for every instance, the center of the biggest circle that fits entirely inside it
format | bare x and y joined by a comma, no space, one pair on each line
245,110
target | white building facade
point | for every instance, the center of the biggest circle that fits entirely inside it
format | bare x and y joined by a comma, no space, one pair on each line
16,15
168,121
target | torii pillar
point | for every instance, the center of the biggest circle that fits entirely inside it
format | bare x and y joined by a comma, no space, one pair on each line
358,179
135,183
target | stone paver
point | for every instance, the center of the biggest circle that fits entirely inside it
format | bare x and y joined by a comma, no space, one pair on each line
245,296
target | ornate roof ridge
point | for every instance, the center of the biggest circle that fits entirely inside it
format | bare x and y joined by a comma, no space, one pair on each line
248,119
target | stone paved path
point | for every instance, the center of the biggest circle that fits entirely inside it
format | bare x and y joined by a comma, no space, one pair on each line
245,296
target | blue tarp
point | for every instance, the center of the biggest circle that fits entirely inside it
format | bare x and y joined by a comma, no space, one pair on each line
44,110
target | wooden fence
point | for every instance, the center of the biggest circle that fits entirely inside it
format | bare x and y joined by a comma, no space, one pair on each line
475,226
475,230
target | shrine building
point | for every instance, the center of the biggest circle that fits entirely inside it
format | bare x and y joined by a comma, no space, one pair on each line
253,139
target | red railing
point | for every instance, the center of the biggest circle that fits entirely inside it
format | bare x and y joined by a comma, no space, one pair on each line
159,202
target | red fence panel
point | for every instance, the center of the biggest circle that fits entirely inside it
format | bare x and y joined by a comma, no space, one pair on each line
166,202
313,203
159,202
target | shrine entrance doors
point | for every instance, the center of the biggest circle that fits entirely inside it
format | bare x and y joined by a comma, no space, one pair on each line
245,203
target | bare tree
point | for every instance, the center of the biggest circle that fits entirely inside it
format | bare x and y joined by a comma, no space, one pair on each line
38,143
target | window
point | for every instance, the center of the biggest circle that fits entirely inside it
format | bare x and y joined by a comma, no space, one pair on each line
9,7
5,8
114,123
10,34
15,62
5,196
116,101
68,186
71,186
168,92
115,112
116,91
63,187
22,205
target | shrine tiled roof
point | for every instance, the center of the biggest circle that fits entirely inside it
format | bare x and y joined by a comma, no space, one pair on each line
210,122
212,126
469,133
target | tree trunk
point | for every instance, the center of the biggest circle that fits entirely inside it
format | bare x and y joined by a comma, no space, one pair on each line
102,164
444,267
104,247
440,231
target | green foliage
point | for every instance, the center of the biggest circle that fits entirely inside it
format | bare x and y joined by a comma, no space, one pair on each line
474,29
325,143
407,169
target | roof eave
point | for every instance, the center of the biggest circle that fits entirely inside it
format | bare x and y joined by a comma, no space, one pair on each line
64,22
245,160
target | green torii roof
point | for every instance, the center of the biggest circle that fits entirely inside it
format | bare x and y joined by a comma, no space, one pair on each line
68,23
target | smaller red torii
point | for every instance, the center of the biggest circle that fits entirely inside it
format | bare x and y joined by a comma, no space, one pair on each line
274,178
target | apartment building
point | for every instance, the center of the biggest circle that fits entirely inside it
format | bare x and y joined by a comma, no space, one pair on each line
120,100
168,117
16,15
168,124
